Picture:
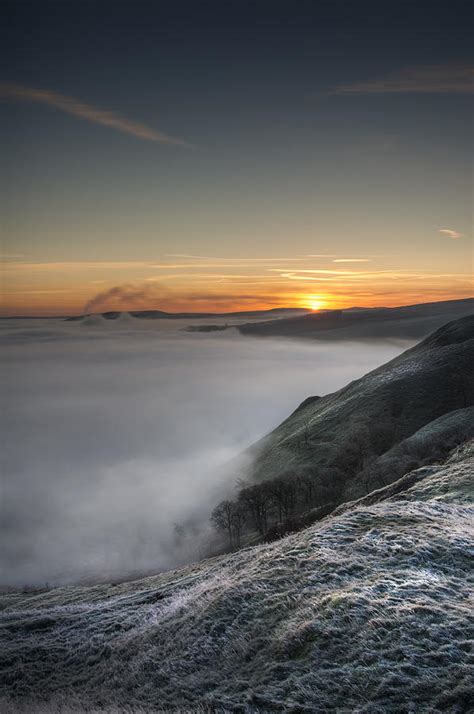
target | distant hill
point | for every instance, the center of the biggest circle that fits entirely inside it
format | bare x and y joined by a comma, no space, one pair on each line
409,322
161,315
402,414
367,611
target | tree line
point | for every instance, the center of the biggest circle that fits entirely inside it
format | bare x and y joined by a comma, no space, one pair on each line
269,506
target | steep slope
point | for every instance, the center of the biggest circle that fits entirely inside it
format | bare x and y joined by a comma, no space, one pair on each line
339,438
366,611
410,322
430,443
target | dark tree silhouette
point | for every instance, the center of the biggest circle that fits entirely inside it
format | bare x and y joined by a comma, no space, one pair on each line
255,500
306,484
282,493
229,517
237,521
221,519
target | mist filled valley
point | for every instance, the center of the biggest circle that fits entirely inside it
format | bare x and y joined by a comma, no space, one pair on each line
116,430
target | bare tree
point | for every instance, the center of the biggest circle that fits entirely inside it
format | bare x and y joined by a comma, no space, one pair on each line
237,521
229,517
306,484
255,501
221,519
282,493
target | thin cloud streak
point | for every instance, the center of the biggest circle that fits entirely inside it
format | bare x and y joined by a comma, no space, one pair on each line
68,266
368,273
435,79
73,106
233,260
208,276
199,266
62,266
449,232
357,276
38,292
352,260
329,272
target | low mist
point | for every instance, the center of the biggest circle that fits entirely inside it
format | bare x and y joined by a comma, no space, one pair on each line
113,431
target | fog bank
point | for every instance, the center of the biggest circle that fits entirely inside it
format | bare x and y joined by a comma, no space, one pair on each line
114,431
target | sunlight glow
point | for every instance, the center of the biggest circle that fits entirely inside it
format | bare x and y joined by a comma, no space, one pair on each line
315,303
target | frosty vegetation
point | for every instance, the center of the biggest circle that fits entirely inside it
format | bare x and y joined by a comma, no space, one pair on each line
365,611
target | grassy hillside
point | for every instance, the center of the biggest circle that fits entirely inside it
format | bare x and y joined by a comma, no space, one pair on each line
366,611
377,427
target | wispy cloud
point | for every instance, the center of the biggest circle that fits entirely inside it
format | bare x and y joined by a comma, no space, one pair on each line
72,266
435,79
236,259
449,232
77,108
38,292
352,260
132,296
125,294
182,262
224,264
226,260
357,277
207,276
320,272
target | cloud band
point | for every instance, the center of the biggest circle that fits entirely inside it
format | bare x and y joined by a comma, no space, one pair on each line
69,105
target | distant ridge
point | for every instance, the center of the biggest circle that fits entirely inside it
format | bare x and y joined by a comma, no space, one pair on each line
405,322
162,315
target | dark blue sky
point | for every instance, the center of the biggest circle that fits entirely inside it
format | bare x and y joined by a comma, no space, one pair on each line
196,44
282,162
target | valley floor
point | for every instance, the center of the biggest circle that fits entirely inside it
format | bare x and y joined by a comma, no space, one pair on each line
366,611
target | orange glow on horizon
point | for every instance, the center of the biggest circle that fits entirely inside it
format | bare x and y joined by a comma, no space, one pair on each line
62,303
315,303
72,288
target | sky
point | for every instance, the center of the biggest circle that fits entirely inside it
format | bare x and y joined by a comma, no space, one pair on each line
234,155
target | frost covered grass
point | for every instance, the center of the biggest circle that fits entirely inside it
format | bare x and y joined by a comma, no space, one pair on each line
367,611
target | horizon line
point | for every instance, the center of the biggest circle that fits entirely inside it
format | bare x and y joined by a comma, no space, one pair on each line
231,312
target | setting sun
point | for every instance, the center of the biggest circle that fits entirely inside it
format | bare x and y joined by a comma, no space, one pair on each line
315,304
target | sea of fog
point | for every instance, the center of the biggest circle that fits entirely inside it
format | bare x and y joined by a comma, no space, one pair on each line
113,431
